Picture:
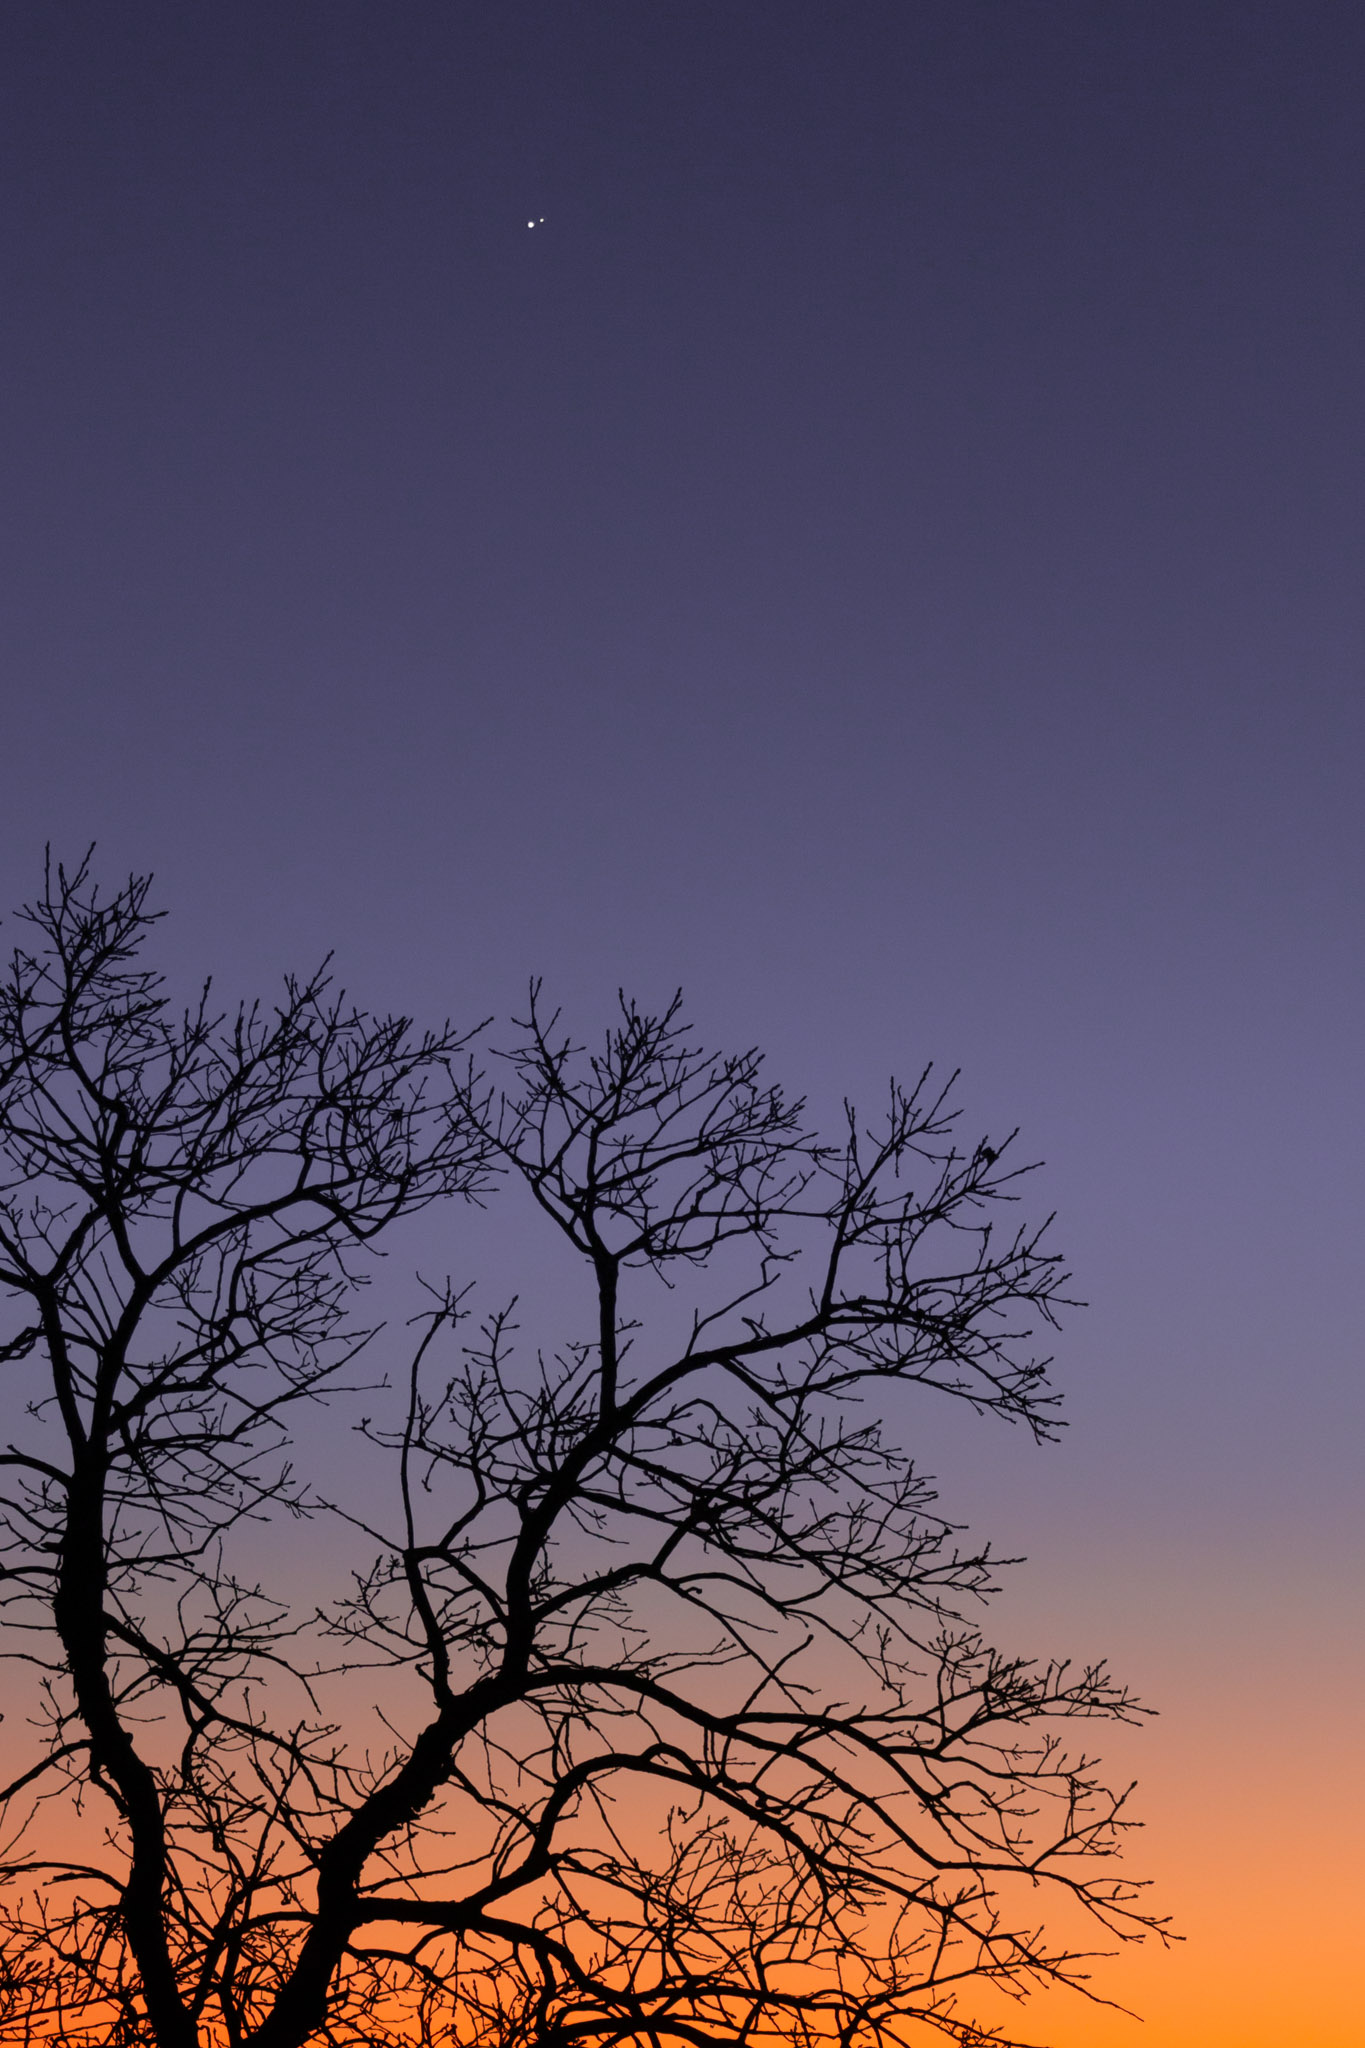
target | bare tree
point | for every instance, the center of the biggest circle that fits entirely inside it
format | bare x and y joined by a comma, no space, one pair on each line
687,1734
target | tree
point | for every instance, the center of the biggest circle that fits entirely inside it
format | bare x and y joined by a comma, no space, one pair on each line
690,1736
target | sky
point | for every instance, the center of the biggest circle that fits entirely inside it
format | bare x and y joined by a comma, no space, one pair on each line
884,552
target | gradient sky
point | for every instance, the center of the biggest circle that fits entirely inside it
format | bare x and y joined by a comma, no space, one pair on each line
886,553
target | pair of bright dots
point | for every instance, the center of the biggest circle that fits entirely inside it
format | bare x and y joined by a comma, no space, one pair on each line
536,223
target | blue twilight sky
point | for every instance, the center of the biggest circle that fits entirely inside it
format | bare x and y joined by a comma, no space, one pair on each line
884,551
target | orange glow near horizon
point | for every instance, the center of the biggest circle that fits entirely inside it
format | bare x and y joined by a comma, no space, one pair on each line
1252,1798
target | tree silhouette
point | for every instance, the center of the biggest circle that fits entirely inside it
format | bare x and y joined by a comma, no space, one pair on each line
690,1737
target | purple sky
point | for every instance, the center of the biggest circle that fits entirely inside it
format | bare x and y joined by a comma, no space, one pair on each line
885,553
